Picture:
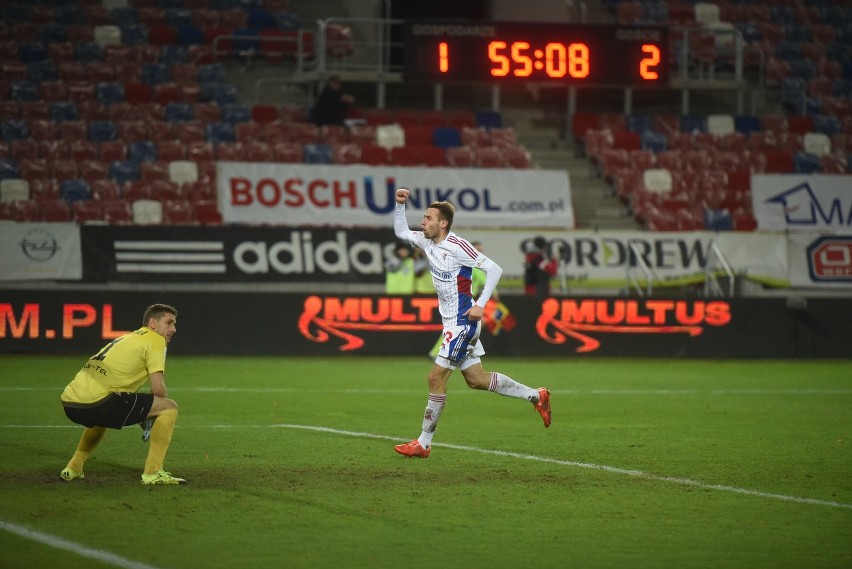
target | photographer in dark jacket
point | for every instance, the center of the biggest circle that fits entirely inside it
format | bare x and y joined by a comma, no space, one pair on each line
538,269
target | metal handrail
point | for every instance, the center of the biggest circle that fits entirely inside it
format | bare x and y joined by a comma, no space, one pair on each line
711,283
631,281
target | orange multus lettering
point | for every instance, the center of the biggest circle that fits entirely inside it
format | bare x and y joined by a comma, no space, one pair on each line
561,319
324,317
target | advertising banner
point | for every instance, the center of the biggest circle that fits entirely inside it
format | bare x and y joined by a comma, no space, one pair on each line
602,259
817,203
235,254
360,195
588,259
240,323
40,251
820,260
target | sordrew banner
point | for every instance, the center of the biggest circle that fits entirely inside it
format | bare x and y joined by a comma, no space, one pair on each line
820,260
360,195
815,202
40,251
603,259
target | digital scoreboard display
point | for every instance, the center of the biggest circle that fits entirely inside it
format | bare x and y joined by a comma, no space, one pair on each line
574,54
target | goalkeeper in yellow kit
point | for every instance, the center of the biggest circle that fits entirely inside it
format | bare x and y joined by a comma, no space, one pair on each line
104,394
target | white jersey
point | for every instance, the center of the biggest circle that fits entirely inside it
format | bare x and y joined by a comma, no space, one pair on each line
451,263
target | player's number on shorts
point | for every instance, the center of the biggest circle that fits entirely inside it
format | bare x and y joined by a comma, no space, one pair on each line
102,354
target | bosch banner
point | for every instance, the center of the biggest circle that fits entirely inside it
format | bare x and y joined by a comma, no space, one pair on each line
358,195
74,321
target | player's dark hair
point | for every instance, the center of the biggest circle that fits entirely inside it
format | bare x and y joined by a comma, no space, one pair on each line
157,311
446,211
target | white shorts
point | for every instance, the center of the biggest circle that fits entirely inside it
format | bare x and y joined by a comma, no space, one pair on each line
461,347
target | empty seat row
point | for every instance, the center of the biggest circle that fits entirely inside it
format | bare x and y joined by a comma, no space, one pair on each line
113,212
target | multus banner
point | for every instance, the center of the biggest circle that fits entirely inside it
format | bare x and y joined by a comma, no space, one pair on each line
72,321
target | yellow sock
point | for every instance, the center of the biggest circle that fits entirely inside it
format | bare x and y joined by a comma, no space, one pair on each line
90,439
161,436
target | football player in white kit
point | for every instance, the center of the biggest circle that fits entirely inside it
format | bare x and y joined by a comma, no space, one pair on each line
451,261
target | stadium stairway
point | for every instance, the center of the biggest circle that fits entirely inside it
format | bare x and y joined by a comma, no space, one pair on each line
595,205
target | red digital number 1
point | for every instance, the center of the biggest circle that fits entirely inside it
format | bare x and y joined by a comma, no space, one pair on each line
443,57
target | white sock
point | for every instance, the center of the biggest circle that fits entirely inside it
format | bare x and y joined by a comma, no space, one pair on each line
434,408
505,385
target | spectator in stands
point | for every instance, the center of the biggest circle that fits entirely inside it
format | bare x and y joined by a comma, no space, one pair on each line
331,104
399,271
539,268
105,394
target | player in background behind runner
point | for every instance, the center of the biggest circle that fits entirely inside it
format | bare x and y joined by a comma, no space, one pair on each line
452,260
104,394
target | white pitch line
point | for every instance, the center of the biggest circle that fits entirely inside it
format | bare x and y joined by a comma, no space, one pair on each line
521,456
73,547
586,465
358,391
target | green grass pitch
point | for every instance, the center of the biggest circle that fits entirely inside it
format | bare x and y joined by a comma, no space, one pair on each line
648,463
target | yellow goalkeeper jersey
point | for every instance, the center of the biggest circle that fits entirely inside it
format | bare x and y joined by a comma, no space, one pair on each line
123,365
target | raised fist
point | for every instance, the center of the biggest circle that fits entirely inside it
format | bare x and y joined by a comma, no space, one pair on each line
402,195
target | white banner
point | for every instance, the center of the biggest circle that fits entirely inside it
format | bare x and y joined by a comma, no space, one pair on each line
820,260
36,251
815,202
601,259
360,195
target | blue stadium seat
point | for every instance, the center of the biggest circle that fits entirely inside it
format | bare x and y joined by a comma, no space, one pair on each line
14,129
234,113
177,17
155,73
171,54
489,119
446,137
69,14
179,112
693,123
89,52
718,220
124,171
102,131
64,111
41,71
318,154
73,190
190,35
108,93
654,141
30,52
746,124
216,132
211,73
52,32
136,34
288,21
220,93
640,123
141,151
806,163
123,16
261,20
827,124
9,168
24,91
